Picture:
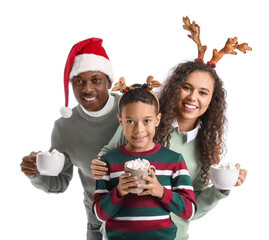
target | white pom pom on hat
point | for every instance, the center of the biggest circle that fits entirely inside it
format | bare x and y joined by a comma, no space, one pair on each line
66,112
87,55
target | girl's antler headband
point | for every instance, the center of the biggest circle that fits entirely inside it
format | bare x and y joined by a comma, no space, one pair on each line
229,48
148,86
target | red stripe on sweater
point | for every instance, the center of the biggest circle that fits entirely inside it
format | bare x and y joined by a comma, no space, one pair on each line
116,168
188,212
159,166
133,200
138,225
98,210
189,198
167,197
156,148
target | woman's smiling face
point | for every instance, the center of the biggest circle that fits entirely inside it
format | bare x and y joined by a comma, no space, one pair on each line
195,96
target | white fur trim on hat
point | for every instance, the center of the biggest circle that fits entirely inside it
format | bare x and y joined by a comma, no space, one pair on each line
91,62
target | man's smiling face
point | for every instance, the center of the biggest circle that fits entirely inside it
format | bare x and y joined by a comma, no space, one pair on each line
91,90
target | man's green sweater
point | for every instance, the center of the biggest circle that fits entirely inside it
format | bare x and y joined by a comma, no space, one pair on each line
80,138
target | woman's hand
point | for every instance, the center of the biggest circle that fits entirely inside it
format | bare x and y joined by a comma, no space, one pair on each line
242,175
98,167
126,184
153,187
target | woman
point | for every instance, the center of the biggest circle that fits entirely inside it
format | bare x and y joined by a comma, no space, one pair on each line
192,104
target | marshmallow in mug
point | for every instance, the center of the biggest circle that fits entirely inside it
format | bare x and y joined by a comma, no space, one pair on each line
138,164
226,166
54,152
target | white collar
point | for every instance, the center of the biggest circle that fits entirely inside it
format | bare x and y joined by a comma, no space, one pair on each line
108,106
191,135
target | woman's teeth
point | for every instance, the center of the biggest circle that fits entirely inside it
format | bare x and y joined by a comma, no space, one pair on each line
190,106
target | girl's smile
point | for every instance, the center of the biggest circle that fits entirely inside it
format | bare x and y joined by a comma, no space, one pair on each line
139,139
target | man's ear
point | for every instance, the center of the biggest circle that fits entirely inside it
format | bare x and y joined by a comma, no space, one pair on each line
120,119
109,85
158,119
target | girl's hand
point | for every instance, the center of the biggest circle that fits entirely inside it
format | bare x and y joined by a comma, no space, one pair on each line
153,187
98,167
127,184
242,175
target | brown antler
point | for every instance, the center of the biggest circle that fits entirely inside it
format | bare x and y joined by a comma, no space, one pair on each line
243,47
120,85
151,83
229,48
194,29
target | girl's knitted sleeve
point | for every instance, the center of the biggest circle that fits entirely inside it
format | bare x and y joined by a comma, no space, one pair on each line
180,199
106,202
55,184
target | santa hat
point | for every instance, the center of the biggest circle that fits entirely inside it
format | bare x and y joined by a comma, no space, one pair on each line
87,55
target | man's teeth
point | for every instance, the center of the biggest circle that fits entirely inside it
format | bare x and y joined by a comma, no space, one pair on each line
190,106
89,99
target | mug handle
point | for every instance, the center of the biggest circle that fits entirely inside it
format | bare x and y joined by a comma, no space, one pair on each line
152,167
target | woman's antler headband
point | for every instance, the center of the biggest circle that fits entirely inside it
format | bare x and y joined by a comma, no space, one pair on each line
148,86
229,48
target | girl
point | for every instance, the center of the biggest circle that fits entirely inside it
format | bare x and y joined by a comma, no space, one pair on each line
144,215
192,103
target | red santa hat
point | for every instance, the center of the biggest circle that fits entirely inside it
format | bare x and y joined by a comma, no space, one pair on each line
87,55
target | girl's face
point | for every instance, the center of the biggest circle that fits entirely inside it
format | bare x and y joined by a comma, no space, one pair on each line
139,121
195,96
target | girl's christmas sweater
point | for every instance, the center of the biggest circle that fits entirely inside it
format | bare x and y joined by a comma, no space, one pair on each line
145,217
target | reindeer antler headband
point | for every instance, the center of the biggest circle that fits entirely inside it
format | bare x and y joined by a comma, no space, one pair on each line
148,86
229,48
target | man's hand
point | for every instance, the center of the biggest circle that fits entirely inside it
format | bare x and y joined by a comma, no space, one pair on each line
28,165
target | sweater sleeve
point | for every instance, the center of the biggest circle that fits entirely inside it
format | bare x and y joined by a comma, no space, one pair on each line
117,140
106,202
180,199
55,184
207,198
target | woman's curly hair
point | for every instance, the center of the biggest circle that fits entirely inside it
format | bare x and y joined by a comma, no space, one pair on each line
210,138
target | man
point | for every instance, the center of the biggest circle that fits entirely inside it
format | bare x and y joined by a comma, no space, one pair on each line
84,130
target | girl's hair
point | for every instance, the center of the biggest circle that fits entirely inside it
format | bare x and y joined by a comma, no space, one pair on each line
138,94
210,142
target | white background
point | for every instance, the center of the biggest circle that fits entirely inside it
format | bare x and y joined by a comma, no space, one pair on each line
141,38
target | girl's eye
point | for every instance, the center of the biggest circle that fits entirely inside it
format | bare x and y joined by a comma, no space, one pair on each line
130,121
147,121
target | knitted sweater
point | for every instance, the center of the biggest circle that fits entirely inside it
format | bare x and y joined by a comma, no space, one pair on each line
80,138
206,197
145,217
